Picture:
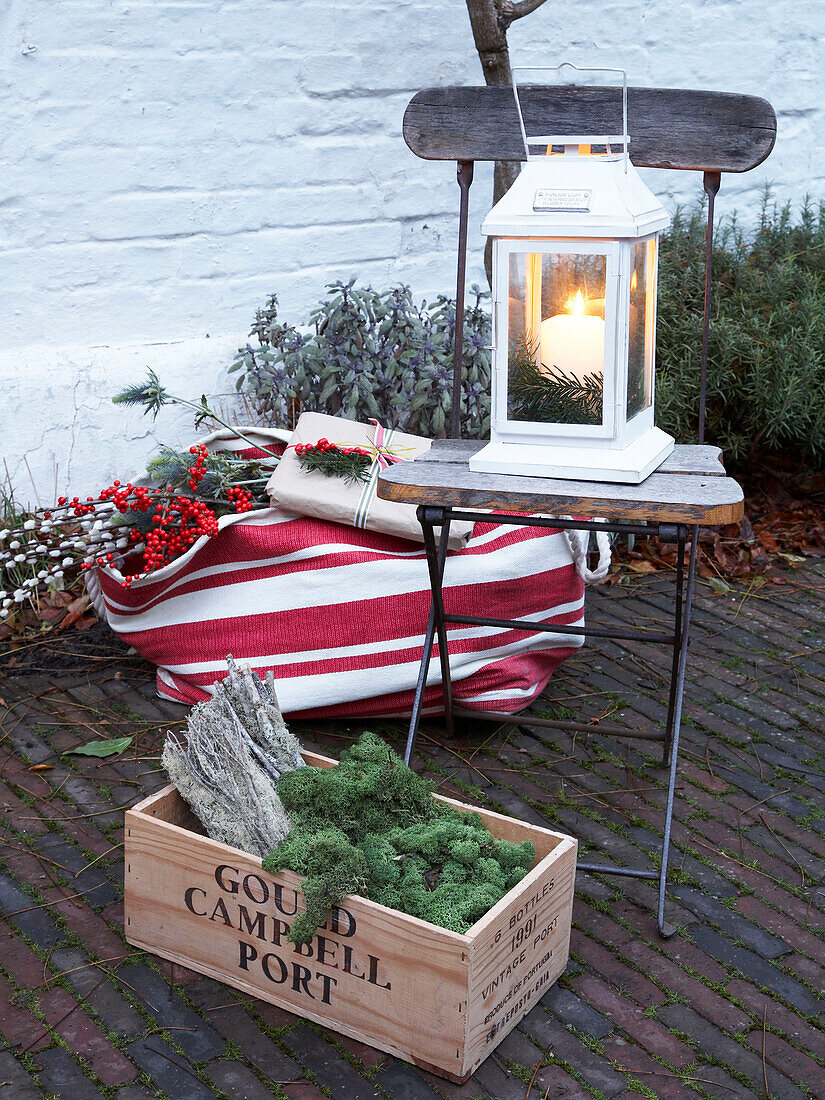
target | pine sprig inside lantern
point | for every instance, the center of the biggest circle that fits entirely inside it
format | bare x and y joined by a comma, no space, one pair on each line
548,395
351,463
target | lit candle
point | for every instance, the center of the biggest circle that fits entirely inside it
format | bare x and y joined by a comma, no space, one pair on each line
573,342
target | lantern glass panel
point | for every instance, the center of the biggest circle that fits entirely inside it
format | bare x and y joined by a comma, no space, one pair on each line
556,337
642,327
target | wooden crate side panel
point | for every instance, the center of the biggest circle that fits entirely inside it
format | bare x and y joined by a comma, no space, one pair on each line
315,760
391,981
431,1021
167,805
521,950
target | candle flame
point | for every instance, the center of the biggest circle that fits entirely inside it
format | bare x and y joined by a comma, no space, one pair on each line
575,305
634,282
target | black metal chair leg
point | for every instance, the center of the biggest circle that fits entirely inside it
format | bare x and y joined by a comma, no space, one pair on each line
435,563
666,930
464,175
429,518
423,669
429,635
677,648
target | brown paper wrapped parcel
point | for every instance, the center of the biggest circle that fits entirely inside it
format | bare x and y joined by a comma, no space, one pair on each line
312,493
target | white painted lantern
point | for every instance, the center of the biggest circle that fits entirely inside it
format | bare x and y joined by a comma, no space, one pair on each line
575,248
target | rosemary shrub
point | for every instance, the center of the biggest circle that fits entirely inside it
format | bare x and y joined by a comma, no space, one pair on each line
766,365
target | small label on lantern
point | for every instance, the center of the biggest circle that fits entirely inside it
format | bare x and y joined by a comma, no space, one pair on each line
562,200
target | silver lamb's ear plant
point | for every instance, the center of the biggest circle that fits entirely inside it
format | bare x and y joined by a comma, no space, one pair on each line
237,748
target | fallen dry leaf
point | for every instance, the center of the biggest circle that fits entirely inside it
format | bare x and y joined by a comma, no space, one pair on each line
74,611
783,528
641,566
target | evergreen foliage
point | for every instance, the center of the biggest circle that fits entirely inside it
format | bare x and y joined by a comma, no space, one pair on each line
150,394
550,396
376,354
766,373
222,471
371,826
350,463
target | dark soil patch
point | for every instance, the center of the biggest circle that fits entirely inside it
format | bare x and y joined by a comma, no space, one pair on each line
68,651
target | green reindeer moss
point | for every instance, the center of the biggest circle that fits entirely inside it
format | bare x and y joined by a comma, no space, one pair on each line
370,826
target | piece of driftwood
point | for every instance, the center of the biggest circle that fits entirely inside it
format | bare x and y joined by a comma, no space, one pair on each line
430,996
237,747
704,499
669,127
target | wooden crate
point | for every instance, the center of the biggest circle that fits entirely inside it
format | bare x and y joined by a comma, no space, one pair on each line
432,997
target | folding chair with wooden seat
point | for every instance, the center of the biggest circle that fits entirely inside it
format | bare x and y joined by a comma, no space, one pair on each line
709,132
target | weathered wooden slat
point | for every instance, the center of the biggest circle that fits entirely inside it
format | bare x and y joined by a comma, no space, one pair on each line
669,127
661,498
694,458
687,458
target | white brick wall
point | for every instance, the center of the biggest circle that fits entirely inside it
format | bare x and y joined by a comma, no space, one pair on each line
166,164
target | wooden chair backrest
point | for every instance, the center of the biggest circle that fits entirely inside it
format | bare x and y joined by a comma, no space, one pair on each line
669,127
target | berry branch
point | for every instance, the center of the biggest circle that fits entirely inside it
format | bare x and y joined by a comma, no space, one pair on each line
351,463
151,525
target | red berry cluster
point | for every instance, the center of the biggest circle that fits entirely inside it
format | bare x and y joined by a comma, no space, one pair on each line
198,470
118,494
177,521
241,498
323,446
126,498
177,524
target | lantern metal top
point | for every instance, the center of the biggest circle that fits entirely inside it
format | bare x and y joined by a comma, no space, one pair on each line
594,197
571,139
578,193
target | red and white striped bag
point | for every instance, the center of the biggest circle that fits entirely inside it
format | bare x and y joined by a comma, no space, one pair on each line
339,613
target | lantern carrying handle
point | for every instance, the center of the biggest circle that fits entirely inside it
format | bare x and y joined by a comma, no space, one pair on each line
571,139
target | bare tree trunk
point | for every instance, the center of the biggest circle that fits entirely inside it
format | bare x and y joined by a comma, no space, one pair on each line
489,20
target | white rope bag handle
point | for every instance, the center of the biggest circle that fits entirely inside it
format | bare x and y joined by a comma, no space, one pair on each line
578,542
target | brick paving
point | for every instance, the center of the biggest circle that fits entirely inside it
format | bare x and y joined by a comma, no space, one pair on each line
732,1006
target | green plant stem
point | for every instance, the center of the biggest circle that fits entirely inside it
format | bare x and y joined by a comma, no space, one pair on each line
204,410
